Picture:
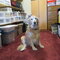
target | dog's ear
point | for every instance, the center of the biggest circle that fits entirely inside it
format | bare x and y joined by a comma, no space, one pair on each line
36,18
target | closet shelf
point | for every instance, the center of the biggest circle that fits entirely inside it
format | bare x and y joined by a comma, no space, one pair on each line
15,8
11,7
16,22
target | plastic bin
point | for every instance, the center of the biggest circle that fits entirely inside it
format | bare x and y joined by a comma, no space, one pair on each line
8,34
16,30
2,20
54,28
59,30
19,29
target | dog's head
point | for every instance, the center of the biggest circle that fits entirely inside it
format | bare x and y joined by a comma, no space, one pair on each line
32,22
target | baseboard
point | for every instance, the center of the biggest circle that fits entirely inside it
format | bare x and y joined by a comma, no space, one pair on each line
43,30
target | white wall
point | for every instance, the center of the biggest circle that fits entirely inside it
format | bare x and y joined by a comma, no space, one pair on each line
27,6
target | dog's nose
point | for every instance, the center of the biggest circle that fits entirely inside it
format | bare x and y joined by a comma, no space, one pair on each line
34,22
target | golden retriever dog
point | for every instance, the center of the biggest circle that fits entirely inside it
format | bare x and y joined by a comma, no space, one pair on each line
32,35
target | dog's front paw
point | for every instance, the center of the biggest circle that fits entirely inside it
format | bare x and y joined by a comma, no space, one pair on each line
34,48
21,47
41,46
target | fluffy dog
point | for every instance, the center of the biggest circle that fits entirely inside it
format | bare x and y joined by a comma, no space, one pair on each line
32,35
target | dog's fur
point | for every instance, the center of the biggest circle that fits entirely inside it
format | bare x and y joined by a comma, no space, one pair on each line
32,35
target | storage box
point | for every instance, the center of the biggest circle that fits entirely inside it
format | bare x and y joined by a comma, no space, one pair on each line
8,37
2,20
16,18
2,14
12,19
7,20
15,13
59,30
8,34
23,15
54,28
5,17
16,30
17,33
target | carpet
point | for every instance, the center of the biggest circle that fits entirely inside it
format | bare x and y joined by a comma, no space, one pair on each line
50,52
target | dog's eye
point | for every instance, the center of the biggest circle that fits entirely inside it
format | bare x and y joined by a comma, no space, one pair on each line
31,19
36,18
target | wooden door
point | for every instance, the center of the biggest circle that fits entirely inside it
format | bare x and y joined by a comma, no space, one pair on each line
34,7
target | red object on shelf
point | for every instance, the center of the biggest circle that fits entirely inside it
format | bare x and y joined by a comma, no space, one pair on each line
51,1
13,3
